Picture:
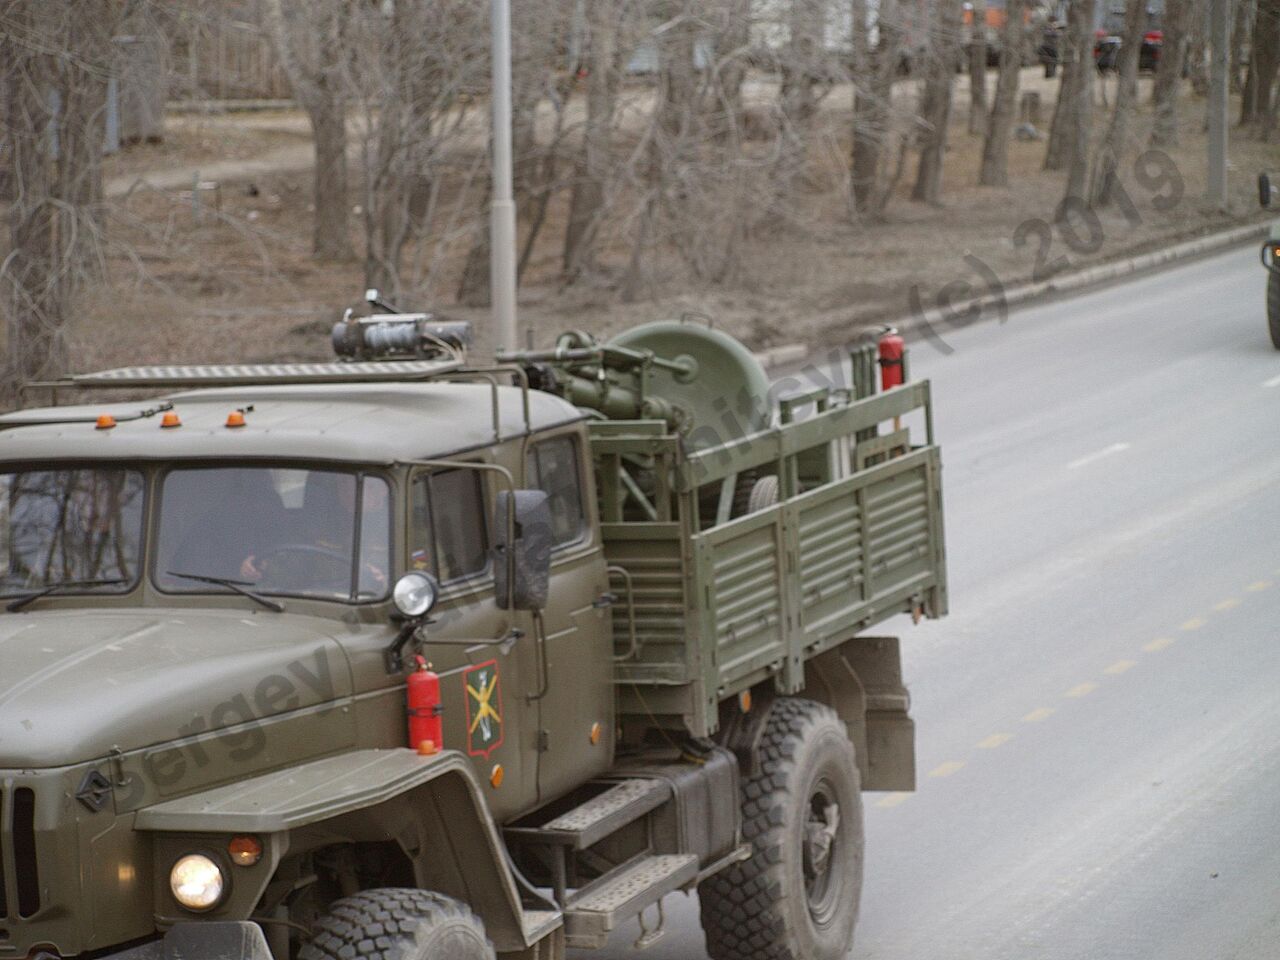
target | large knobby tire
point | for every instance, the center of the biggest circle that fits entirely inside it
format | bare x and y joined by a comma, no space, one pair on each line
398,924
797,897
1273,307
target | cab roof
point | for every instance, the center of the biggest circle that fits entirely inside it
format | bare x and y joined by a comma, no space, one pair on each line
359,422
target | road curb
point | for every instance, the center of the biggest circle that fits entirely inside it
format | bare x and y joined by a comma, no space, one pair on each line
928,324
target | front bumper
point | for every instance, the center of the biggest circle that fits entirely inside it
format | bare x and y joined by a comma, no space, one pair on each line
215,940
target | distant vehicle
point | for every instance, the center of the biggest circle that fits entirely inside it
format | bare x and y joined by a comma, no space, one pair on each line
1108,37
1267,194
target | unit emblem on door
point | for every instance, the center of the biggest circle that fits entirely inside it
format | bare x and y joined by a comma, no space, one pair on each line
484,709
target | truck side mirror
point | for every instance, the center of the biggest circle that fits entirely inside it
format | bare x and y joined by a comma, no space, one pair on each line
522,568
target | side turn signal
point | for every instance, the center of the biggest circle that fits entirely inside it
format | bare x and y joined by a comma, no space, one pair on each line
105,422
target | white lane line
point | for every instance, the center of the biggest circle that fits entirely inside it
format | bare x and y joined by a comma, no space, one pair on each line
1273,382
1097,455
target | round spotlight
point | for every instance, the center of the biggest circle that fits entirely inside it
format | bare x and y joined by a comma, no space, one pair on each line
197,882
415,594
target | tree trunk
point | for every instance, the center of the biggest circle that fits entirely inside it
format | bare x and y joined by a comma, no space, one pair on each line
1239,38
936,107
1257,104
978,69
800,66
1168,81
995,148
1113,145
331,232
587,198
311,43
871,113
33,293
1069,135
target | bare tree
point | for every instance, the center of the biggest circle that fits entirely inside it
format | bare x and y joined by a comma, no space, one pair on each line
874,72
1258,102
935,111
995,147
1068,146
416,70
600,60
313,40
55,62
1168,82
1114,143
977,50
1240,29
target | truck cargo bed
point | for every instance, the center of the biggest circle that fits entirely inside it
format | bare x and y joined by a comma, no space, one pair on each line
710,605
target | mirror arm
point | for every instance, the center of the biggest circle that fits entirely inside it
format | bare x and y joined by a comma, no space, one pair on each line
393,655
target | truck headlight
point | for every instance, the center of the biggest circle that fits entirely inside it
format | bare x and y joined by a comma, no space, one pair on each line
197,882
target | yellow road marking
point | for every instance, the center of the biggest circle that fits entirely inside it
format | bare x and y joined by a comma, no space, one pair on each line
1082,689
1195,623
1120,666
1258,585
893,800
1155,646
1040,713
995,740
1227,604
946,769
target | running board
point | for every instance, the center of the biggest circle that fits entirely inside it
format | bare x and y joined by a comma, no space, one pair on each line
623,894
601,816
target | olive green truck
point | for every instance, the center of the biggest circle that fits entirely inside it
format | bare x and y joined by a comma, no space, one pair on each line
396,656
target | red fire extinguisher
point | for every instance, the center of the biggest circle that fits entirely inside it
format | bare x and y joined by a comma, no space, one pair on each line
893,359
426,720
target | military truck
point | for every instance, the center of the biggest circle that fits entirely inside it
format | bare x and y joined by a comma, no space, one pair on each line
1267,192
401,656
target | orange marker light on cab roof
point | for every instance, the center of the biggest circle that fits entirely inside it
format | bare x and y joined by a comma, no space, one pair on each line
105,422
170,420
235,419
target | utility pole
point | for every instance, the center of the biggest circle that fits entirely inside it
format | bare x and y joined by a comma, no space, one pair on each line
1219,42
502,220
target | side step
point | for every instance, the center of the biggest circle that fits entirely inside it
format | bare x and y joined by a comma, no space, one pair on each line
595,910
599,817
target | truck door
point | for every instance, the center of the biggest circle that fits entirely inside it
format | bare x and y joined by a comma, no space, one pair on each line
576,706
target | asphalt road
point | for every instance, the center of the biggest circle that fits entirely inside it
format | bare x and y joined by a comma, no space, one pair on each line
1098,721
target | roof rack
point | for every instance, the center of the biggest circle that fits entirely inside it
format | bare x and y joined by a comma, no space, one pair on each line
256,374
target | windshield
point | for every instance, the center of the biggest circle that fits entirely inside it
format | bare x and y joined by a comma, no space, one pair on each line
292,532
70,526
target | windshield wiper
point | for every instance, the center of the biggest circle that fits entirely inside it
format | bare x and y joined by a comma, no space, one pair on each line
15,605
239,586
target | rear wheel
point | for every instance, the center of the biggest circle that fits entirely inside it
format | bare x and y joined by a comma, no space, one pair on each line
797,897
398,924
1273,307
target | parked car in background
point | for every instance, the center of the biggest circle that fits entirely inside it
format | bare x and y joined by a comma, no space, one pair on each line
1108,38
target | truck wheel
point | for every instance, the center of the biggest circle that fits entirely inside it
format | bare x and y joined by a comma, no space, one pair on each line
1273,308
398,924
797,897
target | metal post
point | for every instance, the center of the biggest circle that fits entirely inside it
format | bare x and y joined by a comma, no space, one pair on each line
502,235
1219,41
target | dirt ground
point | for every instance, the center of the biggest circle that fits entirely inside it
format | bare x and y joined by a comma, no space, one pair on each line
234,279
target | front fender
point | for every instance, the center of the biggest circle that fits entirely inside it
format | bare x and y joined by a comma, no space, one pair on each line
432,806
